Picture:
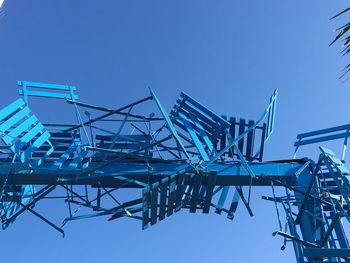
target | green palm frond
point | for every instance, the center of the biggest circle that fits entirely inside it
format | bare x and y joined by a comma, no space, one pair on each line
342,12
344,35
343,30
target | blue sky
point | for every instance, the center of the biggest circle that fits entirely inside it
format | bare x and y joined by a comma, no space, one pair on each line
230,55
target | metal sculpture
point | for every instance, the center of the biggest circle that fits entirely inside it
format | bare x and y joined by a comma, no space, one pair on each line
189,159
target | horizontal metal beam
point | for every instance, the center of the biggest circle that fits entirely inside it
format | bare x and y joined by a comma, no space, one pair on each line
326,252
227,174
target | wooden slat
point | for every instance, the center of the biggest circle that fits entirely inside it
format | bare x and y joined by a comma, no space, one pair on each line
202,191
154,203
233,206
208,123
46,94
262,143
204,136
250,142
194,137
145,207
195,192
179,191
45,85
44,157
14,119
169,124
241,130
10,109
209,193
35,145
77,160
163,198
232,131
187,195
58,163
223,138
25,125
27,137
222,199
271,115
211,114
172,195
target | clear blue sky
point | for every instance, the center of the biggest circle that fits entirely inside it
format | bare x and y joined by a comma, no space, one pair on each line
230,55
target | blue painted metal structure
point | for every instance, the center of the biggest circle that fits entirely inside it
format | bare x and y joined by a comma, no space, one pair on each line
190,158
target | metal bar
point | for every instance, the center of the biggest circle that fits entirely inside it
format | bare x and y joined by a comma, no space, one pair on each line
305,199
321,139
194,137
240,192
86,105
107,114
48,94
120,158
233,142
233,206
327,252
299,191
42,218
45,85
204,135
39,195
305,243
222,199
329,230
74,193
323,131
169,123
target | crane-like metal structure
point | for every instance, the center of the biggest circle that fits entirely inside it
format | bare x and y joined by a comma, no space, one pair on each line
159,164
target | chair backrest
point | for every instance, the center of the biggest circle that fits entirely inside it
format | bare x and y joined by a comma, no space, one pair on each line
271,113
125,143
28,139
252,135
252,145
203,126
23,132
46,90
329,134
